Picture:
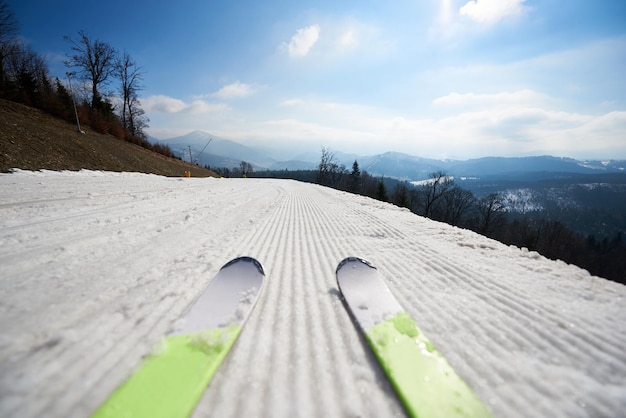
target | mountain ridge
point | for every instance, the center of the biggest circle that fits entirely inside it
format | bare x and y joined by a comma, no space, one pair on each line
222,152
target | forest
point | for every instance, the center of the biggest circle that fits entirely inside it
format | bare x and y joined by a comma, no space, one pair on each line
442,199
100,89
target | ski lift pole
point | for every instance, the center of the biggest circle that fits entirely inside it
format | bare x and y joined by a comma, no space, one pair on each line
69,80
207,144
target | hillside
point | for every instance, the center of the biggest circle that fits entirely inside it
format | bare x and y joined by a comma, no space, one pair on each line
33,140
95,268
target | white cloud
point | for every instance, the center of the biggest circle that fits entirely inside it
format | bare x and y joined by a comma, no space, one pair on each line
501,131
446,12
311,131
162,104
339,43
348,39
292,102
303,40
365,39
520,97
458,125
234,90
501,124
170,105
315,105
492,11
454,25
508,132
200,106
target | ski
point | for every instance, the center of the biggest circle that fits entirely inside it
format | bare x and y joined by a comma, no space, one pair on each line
171,380
425,383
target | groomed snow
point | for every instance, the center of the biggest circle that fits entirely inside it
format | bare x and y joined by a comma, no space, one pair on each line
96,267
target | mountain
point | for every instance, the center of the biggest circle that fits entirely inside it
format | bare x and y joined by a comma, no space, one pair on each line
294,165
401,166
408,167
412,168
523,166
207,149
222,152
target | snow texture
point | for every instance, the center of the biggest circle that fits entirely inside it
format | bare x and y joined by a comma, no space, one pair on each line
96,267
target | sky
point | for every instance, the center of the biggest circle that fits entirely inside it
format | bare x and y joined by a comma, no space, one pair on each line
452,79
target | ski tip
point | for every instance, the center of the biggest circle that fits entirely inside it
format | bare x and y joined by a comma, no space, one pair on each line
353,259
245,259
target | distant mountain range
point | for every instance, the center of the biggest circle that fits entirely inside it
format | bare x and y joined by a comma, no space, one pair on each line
409,167
206,149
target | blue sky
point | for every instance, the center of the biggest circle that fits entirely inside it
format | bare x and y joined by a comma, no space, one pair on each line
434,78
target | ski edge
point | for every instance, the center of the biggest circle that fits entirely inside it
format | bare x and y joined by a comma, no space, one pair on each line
248,259
347,260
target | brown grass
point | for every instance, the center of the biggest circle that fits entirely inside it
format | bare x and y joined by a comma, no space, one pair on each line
33,140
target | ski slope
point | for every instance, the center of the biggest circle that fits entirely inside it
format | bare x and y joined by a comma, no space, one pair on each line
96,267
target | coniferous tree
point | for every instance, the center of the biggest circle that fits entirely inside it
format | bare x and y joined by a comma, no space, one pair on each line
28,74
401,195
355,178
381,191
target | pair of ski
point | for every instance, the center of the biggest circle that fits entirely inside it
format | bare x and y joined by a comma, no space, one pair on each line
171,380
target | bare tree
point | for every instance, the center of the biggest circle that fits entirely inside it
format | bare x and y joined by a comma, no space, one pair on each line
246,168
491,214
131,77
457,203
139,119
327,168
95,62
436,187
9,29
9,26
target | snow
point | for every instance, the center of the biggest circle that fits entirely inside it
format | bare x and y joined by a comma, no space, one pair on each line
431,181
96,267
522,200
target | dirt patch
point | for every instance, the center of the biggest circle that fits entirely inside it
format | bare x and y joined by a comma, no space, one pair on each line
33,140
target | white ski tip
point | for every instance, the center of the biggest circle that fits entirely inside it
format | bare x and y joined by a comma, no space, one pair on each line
369,299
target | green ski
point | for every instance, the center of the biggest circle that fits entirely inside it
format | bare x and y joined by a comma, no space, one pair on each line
172,379
426,384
